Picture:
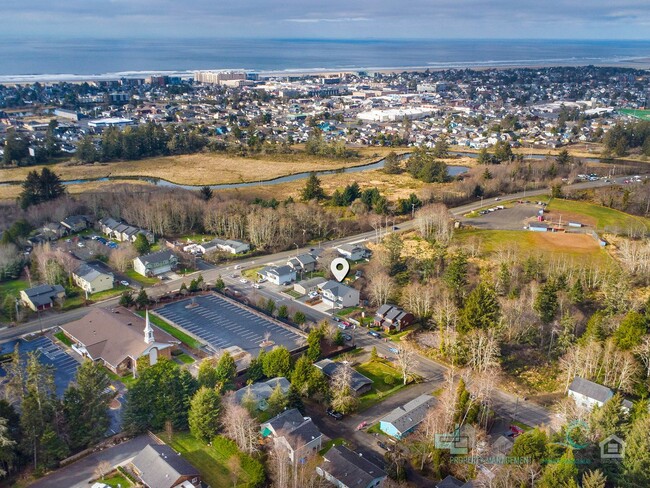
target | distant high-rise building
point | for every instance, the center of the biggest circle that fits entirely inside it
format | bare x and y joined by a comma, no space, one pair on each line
218,77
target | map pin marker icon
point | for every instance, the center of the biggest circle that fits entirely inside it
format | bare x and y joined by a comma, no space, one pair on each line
340,268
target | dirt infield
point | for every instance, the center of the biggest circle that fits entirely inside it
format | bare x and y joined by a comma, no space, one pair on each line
566,242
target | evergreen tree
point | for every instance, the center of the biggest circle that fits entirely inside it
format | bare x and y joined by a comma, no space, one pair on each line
283,312
85,406
594,479
481,311
546,303
530,444
391,164
301,375
86,150
225,372
609,419
204,415
577,292
10,435
38,188
277,402
564,473
636,462
456,274
631,330
161,394
142,300
126,299
299,318
467,409
205,193
277,362
314,339
255,370
207,374
313,189
53,448
141,244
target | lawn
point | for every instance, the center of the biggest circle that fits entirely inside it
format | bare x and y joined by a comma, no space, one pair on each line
378,371
106,294
173,331
602,218
127,379
347,311
639,114
117,480
13,287
137,277
339,441
63,338
185,358
216,463
251,273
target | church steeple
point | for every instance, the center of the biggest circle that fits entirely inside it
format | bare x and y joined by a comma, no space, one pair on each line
148,331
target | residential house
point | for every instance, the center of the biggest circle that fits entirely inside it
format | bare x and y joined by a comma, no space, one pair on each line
392,318
229,245
297,434
118,338
360,383
403,420
353,252
588,394
123,232
92,279
75,223
53,231
303,263
42,297
159,466
307,286
279,275
261,392
338,295
155,263
502,446
347,469
451,482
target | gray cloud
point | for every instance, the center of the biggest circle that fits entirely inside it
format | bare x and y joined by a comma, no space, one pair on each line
337,18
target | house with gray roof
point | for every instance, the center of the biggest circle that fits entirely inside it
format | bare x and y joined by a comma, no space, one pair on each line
347,469
260,392
307,286
392,318
403,420
360,383
279,275
159,466
297,434
353,252
451,482
92,279
231,246
588,394
338,295
75,223
303,263
155,263
42,297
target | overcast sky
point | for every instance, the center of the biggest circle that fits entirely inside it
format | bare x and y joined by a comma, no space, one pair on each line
352,19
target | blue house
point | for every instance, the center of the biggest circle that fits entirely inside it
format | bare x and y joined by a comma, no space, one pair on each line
403,420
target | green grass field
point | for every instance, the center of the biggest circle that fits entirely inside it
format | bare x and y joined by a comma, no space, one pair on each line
220,464
173,331
639,114
603,218
63,338
379,372
117,480
138,278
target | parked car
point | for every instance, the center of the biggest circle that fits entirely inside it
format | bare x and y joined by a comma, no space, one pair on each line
237,266
385,447
347,337
256,285
394,350
335,318
374,333
243,280
333,413
124,283
313,294
80,244
362,425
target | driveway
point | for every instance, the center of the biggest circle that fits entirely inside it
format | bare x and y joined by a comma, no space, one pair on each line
80,473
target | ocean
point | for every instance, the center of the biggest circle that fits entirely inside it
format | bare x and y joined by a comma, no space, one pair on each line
102,58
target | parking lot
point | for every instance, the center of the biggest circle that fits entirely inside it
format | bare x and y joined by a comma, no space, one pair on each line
223,324
511,218
65,366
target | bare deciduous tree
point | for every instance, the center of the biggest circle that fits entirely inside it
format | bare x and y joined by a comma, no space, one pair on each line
405,360
418,299
240,426
483,351
122,258
380,287
102,469
344,397
642,351
435,223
